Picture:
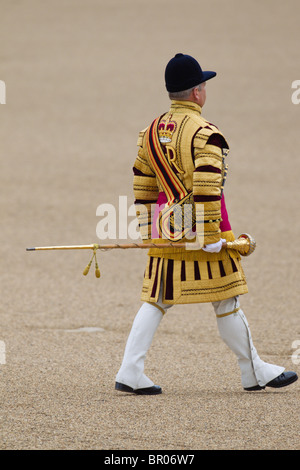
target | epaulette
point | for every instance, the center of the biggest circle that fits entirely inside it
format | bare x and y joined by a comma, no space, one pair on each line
141,137
203,134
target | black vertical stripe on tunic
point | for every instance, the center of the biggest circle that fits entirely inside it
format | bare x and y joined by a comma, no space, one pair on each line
222,270
153,293
183,275
234,268
209,270
196,271
150,267
169,281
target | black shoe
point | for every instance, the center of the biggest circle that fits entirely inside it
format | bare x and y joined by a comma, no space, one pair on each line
254,389
154,390
284,379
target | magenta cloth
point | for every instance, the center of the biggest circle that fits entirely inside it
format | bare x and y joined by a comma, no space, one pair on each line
160,204
225,224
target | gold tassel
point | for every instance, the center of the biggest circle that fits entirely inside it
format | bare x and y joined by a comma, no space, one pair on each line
86,270
97,270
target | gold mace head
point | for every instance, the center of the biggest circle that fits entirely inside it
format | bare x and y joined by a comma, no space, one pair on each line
245,244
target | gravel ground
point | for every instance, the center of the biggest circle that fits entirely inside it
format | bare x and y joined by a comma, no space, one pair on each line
82,78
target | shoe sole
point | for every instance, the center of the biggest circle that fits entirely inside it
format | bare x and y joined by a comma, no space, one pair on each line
142,391
256,388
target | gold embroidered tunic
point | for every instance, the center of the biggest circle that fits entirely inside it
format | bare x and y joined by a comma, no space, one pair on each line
197,152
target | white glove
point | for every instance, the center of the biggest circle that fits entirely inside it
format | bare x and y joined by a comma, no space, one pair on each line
214,247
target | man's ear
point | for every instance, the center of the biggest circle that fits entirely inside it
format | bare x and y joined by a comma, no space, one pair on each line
195,93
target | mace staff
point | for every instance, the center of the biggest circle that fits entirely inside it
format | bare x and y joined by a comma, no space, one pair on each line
244,244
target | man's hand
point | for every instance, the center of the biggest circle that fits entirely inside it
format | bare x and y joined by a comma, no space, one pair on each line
214,247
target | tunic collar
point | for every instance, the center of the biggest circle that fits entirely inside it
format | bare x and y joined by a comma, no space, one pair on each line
184,106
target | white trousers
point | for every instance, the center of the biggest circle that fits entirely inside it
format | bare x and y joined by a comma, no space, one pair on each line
235,332
139,340
233,329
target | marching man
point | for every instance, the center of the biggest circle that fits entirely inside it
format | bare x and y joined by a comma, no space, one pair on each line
182,162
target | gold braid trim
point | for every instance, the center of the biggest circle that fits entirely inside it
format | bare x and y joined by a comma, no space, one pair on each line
157,306
228,313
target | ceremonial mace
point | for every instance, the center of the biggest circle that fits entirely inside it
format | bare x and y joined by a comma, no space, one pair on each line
244,244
